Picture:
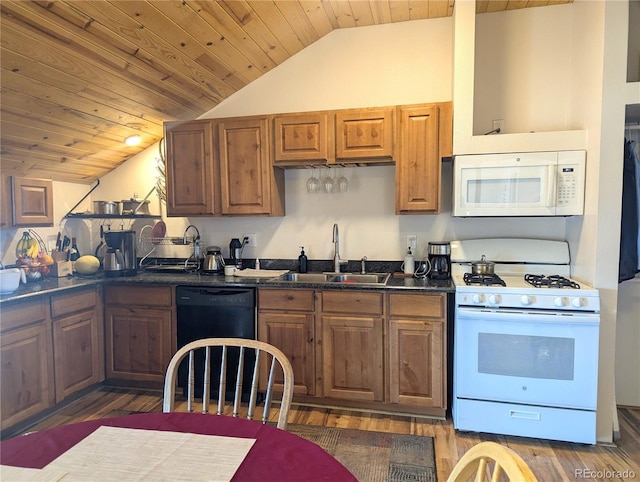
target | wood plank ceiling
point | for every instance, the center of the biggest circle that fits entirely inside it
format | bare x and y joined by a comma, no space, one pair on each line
80,76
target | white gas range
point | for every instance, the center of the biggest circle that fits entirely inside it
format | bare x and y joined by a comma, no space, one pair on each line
525,341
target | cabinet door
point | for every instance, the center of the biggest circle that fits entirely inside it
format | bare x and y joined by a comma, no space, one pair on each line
245,166
27,379
293,334
352,358
364,134
416,371
138,343
191,190
304,139
32,202
418,161
76,345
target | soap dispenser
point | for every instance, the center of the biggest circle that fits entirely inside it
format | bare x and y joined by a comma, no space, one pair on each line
302,261
409,263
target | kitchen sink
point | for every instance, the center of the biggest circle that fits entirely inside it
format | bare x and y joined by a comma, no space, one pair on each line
304,277
331,278
370,278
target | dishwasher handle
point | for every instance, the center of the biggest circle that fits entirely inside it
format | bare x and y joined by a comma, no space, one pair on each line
209,296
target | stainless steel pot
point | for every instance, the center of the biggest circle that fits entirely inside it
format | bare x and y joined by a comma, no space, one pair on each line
106,207
213,261
483,266
132,206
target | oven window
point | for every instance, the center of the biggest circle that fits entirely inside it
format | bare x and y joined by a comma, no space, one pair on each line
526,356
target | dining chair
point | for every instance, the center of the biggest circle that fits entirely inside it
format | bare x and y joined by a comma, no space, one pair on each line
267,360
495,458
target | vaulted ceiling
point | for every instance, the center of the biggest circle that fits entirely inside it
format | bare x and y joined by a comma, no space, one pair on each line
80,76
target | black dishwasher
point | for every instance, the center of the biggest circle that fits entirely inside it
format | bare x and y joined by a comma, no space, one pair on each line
205,312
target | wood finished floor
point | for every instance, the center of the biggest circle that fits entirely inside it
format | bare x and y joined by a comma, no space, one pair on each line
550,461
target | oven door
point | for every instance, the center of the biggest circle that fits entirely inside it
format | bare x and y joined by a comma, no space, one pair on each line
528,357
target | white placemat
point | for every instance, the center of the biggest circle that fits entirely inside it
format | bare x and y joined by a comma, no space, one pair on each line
124,454
9,473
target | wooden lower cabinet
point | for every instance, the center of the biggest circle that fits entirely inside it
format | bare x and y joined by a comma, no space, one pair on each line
139,332
286,320
50,348
27,378
361,348
417,350
78,341
352,345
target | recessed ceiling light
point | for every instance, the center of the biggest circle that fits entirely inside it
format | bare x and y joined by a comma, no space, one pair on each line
133,140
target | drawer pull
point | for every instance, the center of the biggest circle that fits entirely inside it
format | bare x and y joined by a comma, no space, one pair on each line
524,415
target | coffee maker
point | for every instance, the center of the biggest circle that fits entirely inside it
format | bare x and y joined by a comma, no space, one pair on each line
440,260
120,257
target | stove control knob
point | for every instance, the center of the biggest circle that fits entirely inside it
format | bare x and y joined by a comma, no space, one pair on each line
494,299
526,300
477,298
577,302
559,301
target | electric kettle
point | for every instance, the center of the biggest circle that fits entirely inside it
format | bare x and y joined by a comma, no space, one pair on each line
213,261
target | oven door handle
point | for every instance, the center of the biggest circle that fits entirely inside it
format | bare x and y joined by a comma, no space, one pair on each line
524,316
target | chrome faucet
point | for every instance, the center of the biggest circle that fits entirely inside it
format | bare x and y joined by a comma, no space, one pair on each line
363,266
336,255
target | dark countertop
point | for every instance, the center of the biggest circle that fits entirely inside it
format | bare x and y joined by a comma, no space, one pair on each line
50,285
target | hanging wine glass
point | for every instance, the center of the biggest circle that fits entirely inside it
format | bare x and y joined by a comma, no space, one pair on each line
328,182
343,182
313,183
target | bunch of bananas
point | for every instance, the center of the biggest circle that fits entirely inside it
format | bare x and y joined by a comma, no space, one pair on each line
27,247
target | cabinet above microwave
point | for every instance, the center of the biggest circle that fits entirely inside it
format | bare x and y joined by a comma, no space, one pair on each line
519,184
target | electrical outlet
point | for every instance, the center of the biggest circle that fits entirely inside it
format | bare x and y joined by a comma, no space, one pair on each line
412,242
253,239
498,124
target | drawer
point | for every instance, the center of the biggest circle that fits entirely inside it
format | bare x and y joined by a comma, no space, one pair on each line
73,302
128,295
19,314
525,420
353,302
421,305
286,300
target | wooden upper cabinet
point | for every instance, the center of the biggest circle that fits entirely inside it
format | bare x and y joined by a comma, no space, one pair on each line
307,137
32,201
246,173
425,134
6,219
365,134
190,169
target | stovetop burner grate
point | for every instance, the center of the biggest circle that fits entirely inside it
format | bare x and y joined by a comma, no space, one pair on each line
552,281
483,279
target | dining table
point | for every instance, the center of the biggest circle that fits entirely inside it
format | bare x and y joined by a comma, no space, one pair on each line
169,446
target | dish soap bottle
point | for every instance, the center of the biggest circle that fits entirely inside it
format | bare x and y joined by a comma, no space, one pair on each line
409,262
302,261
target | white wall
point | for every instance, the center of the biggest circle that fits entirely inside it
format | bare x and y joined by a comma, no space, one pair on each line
523,70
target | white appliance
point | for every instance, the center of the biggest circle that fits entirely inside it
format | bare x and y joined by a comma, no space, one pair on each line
519,184
525,342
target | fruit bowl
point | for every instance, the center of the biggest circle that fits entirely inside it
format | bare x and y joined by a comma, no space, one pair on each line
35,272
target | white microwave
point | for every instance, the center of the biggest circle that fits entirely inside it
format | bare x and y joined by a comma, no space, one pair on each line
519,184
